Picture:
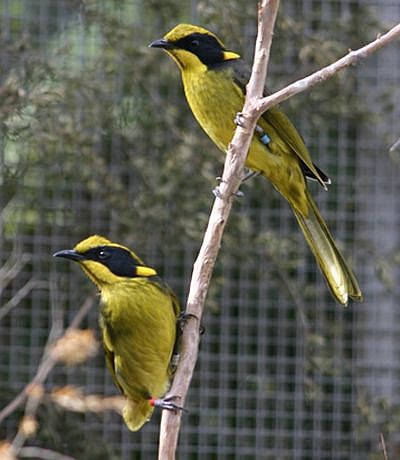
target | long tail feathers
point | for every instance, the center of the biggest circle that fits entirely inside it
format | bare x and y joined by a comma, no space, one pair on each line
339,276
137,413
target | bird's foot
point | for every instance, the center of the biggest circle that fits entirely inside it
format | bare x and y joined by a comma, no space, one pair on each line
249,174
183,317
239,120
238,194
167,403
218,194
216,191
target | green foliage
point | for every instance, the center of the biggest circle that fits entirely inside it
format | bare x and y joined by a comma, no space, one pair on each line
69,115
96,100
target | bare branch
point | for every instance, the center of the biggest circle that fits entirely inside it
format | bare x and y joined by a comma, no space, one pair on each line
383,444
266,20
395,146
12,267
43,454
203,267
34,391
20,295
76,346
327,72
71,398
47,364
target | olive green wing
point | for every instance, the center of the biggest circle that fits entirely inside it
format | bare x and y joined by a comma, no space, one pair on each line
109,354
178,315
281,123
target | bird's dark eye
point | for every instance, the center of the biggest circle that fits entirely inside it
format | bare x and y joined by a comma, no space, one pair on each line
195,43
104,255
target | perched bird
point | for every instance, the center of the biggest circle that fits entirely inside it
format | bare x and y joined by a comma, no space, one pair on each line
214,81
138,323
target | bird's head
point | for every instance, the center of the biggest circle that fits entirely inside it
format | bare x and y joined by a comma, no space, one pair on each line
106,262
194,47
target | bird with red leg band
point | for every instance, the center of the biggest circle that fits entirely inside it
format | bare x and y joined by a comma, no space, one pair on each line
139,323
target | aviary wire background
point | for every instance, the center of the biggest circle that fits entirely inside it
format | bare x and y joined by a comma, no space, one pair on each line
96,137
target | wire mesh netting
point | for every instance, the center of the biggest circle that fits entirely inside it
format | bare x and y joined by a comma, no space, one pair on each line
96,137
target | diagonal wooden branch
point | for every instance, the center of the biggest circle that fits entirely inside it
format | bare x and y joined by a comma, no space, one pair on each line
203,267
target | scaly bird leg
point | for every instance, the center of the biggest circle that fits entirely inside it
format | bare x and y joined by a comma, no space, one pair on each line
263,137
167,403
249,174
183,317
217,192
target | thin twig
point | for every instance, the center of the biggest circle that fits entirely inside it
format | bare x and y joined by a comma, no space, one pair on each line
13,266
203,267
327,72
383,444
46,365
395,146
44,454
20,295
72,399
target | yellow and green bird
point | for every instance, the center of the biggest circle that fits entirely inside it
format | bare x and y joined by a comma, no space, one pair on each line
214,79
138,323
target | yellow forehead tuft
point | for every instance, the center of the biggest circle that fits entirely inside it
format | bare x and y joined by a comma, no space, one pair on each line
97,240
184,30
92,242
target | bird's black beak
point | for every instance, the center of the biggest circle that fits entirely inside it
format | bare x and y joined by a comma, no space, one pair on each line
162,43
69,254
